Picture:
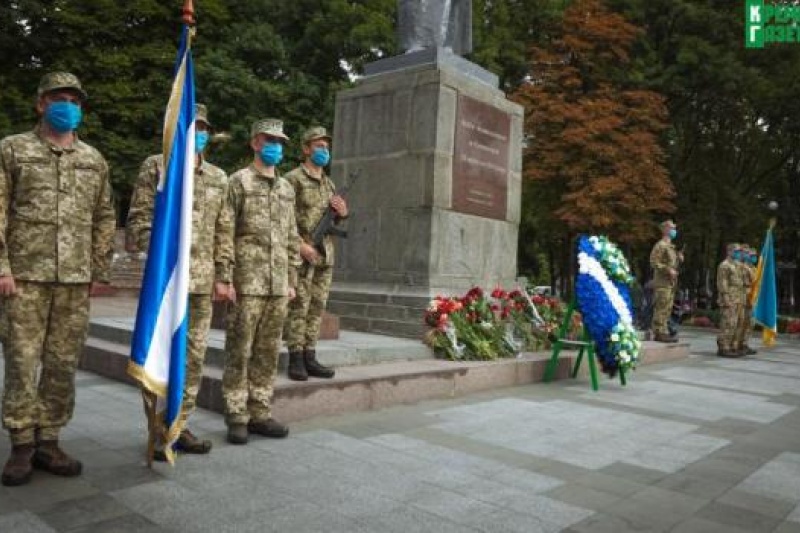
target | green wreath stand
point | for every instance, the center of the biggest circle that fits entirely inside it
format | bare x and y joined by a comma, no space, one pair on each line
585,346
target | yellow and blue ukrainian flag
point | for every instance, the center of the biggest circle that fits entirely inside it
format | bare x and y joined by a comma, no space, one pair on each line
158,348
764,297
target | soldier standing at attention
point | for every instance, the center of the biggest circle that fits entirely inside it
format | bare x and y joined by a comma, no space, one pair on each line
211,257
57,227
730,295
664,263
264,279
314,192
747,260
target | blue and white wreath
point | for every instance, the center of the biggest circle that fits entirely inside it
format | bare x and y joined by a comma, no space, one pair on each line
605,303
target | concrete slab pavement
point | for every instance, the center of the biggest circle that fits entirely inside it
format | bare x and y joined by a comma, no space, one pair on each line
702,444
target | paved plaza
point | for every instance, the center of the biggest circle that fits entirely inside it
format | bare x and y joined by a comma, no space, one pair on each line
701,445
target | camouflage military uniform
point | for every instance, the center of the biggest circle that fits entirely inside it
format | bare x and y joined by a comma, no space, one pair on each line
663,258
211,253
265,268
744,324
312,196
731,299
57,227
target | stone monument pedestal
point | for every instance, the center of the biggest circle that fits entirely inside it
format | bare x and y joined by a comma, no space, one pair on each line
437,207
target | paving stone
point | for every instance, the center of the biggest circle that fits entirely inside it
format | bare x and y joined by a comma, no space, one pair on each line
24,522
787,527
406,519
80,512
737,517
794,516
731,380
692,401
775,508
584,497
700,525
573,433
694,485
778,479
129,523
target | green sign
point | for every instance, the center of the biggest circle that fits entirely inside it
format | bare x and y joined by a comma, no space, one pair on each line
769,22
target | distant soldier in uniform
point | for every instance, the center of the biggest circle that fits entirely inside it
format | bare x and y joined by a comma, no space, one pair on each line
747,269
57,227
664,260
730,296
314,192
211,257
264,279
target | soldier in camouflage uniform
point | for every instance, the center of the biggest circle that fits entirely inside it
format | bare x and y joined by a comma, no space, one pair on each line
314,192
664,261
730,294
57,227
264,279
211,256
747,269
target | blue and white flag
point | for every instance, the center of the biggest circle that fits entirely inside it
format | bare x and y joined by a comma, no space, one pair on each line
158,349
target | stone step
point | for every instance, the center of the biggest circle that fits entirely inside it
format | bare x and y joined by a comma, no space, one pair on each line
366,387
351,348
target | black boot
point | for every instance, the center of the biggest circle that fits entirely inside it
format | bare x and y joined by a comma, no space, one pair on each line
314,367
297,367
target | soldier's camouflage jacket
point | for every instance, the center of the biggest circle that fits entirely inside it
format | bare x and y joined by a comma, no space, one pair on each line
730,285
312,197
57,221
212,225
266,240
663,257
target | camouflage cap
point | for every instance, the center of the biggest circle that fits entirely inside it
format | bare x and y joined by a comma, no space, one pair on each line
60,80
201,114
314,133
268,126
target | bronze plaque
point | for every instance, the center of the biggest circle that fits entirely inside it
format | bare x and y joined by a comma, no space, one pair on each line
480,159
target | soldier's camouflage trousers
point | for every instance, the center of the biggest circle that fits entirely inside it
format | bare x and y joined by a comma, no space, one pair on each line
252,341
728,320
744,326
662,307
200,309
46,326
305,311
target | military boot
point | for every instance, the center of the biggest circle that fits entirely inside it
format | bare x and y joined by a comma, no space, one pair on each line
19,467
186,443
314,367
237,433
51,458
297,367
268,428
749,351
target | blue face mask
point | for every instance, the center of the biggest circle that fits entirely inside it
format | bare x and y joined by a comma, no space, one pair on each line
63,116
320,157
737,256
271,153
753,259
200,141
673,233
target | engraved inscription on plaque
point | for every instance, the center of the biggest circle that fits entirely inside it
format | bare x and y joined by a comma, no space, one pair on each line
480,159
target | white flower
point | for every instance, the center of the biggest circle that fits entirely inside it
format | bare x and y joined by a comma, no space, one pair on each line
614,337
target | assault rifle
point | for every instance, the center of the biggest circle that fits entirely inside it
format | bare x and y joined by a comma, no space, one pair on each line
327,224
